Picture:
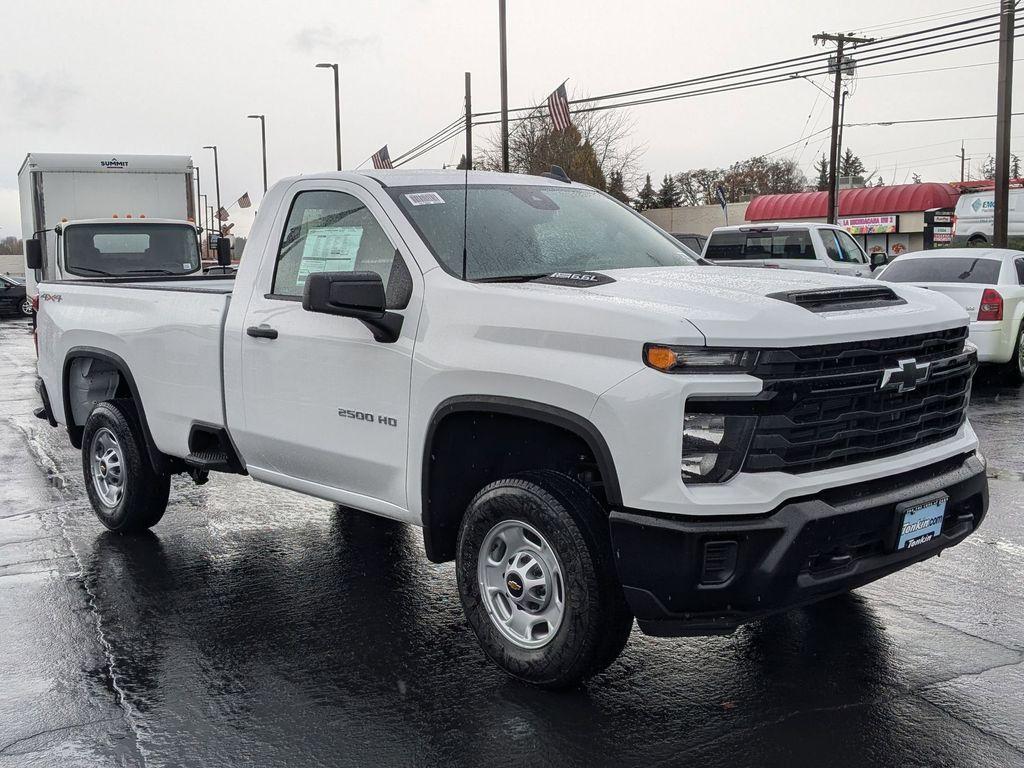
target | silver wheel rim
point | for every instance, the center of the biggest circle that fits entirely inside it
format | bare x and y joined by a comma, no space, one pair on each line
26,307
1020,352
521,584
107,464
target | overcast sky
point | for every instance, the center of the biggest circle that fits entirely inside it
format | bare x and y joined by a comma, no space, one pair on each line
148,77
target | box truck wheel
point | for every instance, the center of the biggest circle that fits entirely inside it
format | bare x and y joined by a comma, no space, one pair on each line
537,579
125,491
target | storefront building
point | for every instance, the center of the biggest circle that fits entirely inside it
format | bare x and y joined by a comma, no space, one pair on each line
890,220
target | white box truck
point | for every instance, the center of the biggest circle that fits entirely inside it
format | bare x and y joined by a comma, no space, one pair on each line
61,188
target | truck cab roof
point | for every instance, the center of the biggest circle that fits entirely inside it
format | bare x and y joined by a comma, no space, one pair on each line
126,220
400,177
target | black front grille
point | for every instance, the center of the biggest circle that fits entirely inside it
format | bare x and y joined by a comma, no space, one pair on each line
823,406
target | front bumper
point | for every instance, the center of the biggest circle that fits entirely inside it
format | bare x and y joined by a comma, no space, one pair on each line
806,550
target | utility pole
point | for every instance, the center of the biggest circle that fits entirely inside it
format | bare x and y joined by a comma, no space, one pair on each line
504,86
963,160
841,40
1004,99
469,124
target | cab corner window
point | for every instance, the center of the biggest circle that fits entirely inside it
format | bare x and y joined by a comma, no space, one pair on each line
331,232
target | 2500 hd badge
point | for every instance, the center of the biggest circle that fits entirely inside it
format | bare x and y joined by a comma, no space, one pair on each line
387,421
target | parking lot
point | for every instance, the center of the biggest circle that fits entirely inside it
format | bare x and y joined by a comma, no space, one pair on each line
259,626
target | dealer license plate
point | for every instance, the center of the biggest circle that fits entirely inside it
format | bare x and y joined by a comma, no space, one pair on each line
921,521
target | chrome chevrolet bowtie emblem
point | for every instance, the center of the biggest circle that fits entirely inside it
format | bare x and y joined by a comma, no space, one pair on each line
907,376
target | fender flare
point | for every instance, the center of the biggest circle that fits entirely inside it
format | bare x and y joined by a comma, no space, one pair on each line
511,406
159,461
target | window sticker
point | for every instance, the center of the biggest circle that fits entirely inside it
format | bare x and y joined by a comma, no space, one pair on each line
329,249
425,198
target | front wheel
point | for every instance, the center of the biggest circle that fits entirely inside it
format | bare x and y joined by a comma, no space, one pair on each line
537,580
25,308
127,494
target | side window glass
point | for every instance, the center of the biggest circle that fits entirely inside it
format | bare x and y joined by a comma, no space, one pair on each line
828,239
334,232
792,244
1019,264
851,251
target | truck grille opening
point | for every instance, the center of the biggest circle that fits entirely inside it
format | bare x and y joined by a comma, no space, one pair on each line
824,406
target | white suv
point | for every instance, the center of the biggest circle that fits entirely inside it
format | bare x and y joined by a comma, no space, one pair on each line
807,246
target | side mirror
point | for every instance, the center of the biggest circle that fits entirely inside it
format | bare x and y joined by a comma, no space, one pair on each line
223,251
33,253
878,259
359,295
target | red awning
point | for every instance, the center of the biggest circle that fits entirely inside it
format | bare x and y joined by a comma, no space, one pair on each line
853,202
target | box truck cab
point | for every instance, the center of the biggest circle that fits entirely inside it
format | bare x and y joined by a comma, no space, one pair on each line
57,189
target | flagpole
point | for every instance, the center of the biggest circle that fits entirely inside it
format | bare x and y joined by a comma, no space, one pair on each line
216,176
504,86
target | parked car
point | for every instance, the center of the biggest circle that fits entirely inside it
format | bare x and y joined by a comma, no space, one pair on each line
807,246
691,240
989,284
589,424
13,298
974,216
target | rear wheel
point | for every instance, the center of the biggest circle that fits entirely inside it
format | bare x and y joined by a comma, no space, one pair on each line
127,494
25,308
537,580
977,241
1012,371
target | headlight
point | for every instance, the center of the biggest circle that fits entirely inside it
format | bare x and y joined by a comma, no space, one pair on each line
673,359
714,446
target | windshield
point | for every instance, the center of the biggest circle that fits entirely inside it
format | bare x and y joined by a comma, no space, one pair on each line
118,250
524,230
941,269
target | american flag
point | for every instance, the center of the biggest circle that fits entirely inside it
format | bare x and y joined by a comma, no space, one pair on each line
381,158
222,214
244,201
558,106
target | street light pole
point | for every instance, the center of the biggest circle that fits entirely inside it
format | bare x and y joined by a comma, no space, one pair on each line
263,140
199,194
337,107
1004,99
216,178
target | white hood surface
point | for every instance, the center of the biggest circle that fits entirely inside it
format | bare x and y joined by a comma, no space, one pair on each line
730,306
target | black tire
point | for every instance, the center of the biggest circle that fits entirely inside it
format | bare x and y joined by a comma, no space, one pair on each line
977,241
25,307
143,497
1011,372
596,622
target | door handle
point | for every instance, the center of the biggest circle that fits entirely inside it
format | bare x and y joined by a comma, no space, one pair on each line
261,332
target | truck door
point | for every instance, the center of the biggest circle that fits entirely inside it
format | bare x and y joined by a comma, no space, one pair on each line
845,257
323,402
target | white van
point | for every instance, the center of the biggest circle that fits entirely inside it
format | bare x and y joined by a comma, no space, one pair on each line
805,245
974,213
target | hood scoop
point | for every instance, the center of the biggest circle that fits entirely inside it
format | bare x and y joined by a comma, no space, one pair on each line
840,299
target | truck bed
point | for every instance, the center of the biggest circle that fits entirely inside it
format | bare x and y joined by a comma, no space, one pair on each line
166,331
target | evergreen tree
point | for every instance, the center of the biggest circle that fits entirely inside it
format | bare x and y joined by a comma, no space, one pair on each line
646,198
617,187
462,163
850,164
668,194
821,168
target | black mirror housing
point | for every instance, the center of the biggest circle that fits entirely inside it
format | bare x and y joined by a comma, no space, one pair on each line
223,251
878,259
33,254
359,295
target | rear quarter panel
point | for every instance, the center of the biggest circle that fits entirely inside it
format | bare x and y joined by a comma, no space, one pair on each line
170,341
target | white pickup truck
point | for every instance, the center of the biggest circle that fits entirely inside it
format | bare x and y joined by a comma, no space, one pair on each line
591,424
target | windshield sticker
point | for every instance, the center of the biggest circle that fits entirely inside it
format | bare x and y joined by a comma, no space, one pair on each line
329,249
425,198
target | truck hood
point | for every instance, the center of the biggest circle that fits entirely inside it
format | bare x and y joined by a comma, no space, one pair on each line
731,306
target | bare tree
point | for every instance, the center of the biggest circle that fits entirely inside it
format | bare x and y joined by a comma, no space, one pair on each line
534,145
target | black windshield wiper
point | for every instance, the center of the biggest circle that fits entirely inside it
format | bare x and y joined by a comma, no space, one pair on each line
509,278
152,271
93,270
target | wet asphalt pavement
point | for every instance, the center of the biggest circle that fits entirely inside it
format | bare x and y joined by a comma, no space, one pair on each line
255,626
